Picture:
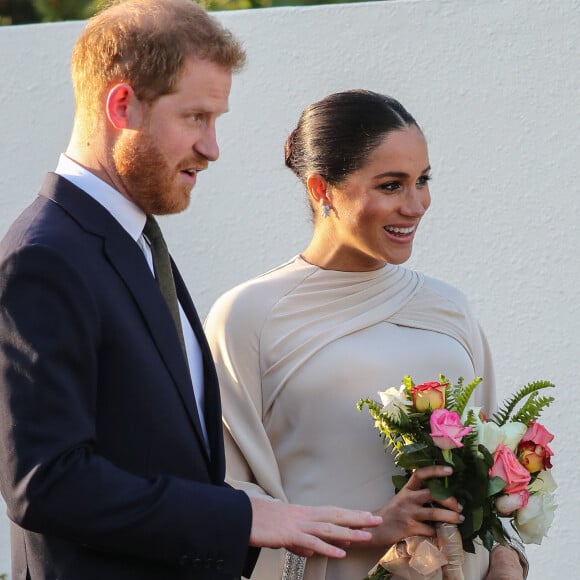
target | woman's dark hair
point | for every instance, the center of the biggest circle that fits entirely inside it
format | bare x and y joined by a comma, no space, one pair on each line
335,135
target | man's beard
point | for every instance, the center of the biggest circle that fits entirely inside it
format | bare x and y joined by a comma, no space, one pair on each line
147,178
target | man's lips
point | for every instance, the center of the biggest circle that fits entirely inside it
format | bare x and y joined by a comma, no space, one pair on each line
192,170
190,173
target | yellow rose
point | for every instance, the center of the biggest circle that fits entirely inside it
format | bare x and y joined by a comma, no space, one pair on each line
429,396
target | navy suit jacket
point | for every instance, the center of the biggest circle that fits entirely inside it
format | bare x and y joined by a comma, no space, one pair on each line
103,466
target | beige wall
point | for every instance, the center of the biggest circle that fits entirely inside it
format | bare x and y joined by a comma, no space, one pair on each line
494,83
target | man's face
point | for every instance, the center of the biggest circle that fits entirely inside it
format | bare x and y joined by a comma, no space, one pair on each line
157,164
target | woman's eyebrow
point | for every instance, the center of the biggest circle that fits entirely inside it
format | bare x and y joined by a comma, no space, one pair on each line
400,174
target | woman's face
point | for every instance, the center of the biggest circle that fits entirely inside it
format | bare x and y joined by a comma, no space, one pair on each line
377,209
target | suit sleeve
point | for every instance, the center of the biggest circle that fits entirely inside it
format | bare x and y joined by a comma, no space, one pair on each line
52,479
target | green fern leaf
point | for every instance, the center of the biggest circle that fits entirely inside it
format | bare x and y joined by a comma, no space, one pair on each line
530,390
452,392
464,394
532,409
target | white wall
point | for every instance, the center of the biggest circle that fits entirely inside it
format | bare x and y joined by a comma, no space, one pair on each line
494,84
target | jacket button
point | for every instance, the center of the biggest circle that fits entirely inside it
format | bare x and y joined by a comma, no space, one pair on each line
196,563
184,560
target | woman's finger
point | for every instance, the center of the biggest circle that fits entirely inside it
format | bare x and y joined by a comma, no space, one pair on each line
421,475
435,514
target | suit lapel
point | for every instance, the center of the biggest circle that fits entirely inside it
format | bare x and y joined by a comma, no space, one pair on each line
127,259
129,265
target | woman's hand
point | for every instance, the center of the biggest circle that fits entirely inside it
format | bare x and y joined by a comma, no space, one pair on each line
504,564
409,512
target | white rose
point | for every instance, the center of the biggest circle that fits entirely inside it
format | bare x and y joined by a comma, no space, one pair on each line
534,521
490,434
544,483
513,433
394,401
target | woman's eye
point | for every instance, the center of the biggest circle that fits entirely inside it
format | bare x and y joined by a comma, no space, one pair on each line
423,180
390,186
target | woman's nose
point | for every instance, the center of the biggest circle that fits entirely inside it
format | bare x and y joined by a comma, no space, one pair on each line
416,202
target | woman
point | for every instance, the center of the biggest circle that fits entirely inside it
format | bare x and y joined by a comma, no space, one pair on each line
296,347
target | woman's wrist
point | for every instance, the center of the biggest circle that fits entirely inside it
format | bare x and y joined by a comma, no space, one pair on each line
513,552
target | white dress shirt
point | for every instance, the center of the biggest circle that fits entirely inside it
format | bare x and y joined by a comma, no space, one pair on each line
132,219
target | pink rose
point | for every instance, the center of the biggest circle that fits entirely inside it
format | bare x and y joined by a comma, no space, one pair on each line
508,503
538,434
446,429
533,450
429,396
507,466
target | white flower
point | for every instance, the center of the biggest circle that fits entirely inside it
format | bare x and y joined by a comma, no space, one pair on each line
534,521
490,434
513,433
544,483
394,401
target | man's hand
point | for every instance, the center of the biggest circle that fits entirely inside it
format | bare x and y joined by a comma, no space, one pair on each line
308,530
504,564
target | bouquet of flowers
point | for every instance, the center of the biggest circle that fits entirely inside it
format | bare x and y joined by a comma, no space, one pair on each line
501,467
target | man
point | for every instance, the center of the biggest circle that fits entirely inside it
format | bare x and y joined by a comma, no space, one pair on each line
110,443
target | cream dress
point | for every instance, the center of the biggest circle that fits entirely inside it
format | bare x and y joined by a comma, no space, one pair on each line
295,349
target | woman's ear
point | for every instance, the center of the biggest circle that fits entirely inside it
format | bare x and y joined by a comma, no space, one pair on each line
319,190
124,110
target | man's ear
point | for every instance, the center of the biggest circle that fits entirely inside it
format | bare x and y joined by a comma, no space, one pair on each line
319,190
124,110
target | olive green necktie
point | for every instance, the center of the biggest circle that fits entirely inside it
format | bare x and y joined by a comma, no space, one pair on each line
163,273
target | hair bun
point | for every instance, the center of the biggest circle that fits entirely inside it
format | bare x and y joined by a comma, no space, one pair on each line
289,150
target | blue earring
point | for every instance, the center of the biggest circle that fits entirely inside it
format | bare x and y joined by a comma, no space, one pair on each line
325,210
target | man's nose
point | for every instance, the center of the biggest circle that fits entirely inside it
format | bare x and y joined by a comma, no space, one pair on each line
207,144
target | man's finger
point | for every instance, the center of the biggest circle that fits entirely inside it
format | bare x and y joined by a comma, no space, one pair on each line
346,517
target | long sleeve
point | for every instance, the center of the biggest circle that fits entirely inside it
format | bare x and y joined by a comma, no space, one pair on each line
48,363
251,464
101,466
296,349
234,340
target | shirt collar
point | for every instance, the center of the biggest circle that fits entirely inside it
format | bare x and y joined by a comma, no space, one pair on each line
129,215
